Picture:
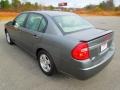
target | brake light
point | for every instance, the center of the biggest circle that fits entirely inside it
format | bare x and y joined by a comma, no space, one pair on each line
81,51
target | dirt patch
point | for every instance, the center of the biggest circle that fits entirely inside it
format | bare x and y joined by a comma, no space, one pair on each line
11,15
97,13
7,15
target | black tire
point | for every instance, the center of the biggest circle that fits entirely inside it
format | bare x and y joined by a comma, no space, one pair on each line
52,65
8,38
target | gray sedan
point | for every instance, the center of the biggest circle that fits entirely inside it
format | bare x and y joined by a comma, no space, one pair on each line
62,41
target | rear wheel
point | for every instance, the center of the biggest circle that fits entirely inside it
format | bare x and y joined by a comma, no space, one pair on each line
8,38
46,63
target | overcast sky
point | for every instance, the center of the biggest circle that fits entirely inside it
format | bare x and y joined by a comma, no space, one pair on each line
71,3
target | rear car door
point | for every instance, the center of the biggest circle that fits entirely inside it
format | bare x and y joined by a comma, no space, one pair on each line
33,31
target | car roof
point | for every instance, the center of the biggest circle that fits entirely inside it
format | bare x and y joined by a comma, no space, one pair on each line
52,13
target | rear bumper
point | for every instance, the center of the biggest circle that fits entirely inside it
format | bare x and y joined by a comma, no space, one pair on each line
88,72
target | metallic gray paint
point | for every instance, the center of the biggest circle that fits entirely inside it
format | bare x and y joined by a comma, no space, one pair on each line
59,46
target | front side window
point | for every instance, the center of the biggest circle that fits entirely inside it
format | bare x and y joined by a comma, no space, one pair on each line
71,23
33,22
20,19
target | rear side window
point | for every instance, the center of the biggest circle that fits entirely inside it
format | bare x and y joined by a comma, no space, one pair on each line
42,25
33,22
20,19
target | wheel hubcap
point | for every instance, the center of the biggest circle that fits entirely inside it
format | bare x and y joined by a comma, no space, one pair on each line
45,63
8,37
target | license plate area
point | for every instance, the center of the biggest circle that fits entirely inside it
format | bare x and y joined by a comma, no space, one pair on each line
104,46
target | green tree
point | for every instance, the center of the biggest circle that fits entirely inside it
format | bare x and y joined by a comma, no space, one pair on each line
27,6
4,4
50,7
90,6
16,4
102,5
36,6
0,4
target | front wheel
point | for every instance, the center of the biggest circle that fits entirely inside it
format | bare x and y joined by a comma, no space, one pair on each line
46,63
8,38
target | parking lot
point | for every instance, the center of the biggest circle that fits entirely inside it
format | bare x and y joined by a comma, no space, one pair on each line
19,71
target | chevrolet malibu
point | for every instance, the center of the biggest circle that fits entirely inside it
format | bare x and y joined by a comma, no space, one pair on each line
62,41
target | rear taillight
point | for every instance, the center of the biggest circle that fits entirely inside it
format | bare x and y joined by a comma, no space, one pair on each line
81,51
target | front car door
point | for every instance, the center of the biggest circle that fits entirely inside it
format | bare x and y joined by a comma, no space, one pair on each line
17,26
33,31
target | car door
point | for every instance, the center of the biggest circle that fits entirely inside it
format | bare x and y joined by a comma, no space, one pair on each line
33,31
17,26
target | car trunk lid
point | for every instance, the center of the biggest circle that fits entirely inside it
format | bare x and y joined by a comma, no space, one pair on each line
99,41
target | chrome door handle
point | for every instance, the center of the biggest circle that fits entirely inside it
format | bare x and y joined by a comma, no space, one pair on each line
35,36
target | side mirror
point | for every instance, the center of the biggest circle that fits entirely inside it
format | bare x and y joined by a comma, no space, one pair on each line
15,24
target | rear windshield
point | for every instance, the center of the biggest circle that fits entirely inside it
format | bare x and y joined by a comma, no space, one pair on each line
72,23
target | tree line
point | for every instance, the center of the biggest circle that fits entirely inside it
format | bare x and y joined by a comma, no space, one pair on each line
17,5
106,6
